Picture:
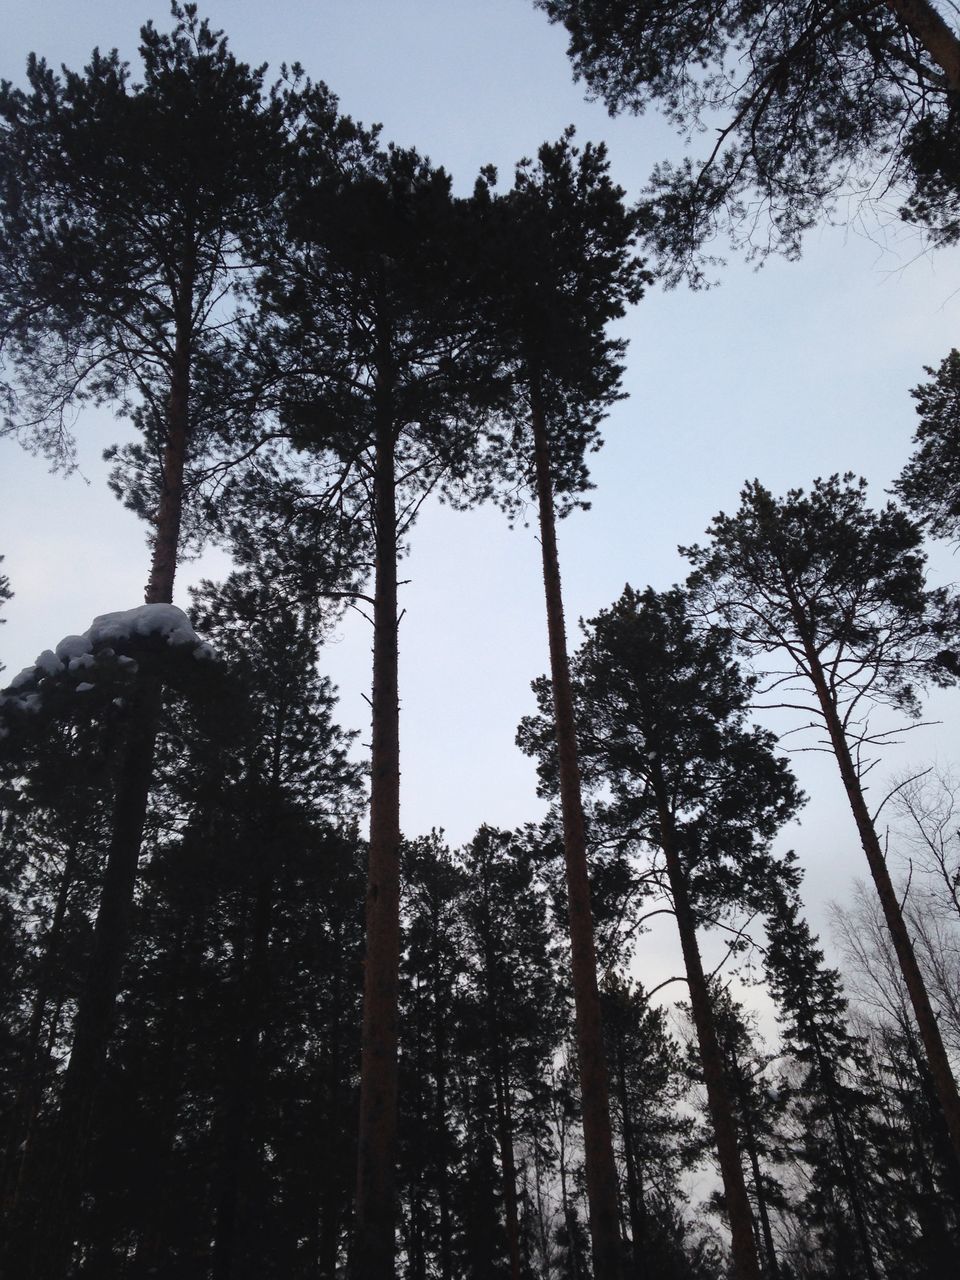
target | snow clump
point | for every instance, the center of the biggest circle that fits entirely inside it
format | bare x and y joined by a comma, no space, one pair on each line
164,620
100,640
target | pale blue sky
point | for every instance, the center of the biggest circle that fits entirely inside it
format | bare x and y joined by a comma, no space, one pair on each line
798,370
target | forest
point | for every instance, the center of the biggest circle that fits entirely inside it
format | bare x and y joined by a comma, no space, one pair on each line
253,1027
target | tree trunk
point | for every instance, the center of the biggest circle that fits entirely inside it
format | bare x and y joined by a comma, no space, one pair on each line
373,1245
750,1143
61,1183
566,1207
166,542
154,1243
933,33
601,1173
743,1247
416,1235
331,1104
943,1079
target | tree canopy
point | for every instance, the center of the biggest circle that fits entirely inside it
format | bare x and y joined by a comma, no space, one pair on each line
804,106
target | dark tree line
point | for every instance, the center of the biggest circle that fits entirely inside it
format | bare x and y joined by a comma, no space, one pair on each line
228,1146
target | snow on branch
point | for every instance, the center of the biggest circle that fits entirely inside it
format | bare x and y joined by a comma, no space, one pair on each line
78,655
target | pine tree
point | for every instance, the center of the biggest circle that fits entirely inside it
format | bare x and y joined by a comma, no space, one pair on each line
758,1114
432,1016
374,337
825,100
237,1040
125,210
655,698
648,1087
514,993
128,210
930,482
840,592
561,269
831,1092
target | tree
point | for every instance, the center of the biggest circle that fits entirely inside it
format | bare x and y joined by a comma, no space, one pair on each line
918,1174
560,247
373,340
759,1112
513,987
929,484
663,708
830,1092
126,211
237,1030
293,758
432,1044
839,590
804,105
649,1088
55,785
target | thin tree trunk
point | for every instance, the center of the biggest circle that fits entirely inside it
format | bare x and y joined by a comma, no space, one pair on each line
416,1246
153,1245
568,1216
62,1181
501,1086
750,1143
750,1146
601,1173
166,542
541,1215
743,1247
373,1245
335,1178
940,1071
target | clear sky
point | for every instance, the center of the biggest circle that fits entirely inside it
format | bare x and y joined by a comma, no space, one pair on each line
795,371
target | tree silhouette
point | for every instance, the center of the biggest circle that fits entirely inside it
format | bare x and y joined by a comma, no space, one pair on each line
663,711
840,591
561,269
803,106
929,484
